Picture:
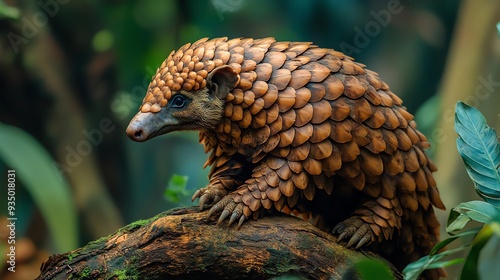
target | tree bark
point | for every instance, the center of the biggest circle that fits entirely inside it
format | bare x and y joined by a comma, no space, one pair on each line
182,244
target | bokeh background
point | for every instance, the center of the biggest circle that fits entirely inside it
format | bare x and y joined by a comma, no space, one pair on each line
73,73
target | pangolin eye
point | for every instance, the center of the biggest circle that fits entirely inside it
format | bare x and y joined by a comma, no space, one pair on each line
178,102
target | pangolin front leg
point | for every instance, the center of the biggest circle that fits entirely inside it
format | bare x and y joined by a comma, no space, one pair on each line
225,176
374,221
259,193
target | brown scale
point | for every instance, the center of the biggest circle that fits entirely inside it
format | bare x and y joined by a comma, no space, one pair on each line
307,124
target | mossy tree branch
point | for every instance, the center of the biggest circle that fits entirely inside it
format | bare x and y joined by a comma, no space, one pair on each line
182,244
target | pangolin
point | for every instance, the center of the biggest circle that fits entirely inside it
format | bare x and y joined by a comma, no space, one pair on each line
300,129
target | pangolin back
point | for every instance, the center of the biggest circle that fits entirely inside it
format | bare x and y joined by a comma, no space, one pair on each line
312,122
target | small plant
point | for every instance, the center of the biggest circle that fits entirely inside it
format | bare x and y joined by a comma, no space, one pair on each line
176,189
479,148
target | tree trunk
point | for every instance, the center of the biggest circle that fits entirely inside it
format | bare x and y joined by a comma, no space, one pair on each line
182,244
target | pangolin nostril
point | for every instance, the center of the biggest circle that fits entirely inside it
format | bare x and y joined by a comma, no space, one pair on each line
138,134
135,133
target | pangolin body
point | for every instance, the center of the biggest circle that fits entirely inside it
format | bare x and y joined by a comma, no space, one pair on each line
300,129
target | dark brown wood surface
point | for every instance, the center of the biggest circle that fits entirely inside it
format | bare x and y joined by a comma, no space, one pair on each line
183,244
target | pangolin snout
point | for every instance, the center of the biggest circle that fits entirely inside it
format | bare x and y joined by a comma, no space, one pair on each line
136,128
136,133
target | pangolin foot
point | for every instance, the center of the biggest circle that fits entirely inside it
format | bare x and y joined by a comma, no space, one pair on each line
355,230
209,194
229,208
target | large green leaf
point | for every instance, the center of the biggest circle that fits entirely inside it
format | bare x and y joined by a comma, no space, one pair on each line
477,144
489,257
463,236
470,270
434,259
413,270
34,167
461,214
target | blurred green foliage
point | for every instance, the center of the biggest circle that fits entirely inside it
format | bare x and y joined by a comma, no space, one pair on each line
33,166
8,11
102,41
373,269
176,189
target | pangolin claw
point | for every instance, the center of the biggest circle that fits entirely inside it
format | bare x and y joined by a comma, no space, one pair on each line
196,195
225,213
214,209
364,241
339,228
354,239
224,205
342,236
209,195
203,199
356,231
233,218
229,209
242,219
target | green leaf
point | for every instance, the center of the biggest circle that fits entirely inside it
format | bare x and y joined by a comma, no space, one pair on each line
470,269
433,260
373,269
447,263
456,221
34,167
7,11
448,240
480,151
479,211
413,270
176,189
489,258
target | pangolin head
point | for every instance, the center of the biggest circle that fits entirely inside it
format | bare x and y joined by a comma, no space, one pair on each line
186,93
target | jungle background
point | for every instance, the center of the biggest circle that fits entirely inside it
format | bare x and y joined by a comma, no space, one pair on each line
73,73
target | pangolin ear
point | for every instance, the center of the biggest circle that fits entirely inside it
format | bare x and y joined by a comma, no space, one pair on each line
222,80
